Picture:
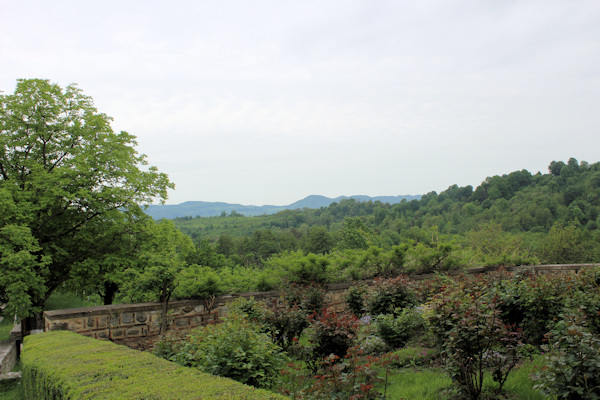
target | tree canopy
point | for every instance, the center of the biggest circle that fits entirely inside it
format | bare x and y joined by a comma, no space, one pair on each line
70,188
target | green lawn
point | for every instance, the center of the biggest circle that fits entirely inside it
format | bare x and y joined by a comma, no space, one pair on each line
6,326
427,384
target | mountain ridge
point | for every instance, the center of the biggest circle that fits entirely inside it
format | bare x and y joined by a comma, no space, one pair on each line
212,209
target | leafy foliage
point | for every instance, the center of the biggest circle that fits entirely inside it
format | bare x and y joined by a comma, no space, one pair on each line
473,338
390,296
397,330
71,190
234,348
572,369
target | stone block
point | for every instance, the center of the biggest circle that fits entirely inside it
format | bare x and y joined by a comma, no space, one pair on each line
90,322
127,318
102,335
182,322
102,321
117,333
187,309
76,324
141,317
199,308
114,320
59,326
133,332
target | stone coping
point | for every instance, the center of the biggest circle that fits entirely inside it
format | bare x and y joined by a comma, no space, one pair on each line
10,377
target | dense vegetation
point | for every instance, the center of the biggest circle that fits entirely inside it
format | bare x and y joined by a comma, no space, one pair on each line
512,214
486,333
514,219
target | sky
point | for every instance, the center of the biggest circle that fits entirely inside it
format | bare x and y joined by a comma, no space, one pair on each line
267,102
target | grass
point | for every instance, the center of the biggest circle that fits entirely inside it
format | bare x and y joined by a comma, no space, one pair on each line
11,392
417,384
6,326
429,384
66,300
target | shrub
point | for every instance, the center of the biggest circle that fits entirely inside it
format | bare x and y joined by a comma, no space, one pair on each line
285,325
65,365
390,296
352,377
331,333
367,338
473,338
572,369
236,349
355,299
533,303
310,298
397,330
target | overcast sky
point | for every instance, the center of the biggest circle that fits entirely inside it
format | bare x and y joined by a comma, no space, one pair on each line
266,102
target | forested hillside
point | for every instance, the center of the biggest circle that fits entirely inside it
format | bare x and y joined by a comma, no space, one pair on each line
508,219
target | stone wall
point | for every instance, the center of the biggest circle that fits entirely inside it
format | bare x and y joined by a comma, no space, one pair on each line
8,356
124,321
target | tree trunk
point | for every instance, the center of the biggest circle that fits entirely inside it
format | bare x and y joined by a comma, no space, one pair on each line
164,314
110,290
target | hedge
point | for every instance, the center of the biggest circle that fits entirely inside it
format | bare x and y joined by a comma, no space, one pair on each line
65,365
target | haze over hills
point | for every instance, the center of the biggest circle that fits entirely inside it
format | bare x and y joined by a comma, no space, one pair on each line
212,209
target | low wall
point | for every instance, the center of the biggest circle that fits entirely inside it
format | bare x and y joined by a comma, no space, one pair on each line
8,356
124,321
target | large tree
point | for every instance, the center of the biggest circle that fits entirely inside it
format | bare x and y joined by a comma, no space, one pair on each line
71,189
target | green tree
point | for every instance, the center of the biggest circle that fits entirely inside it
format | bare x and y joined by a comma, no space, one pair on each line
162,259
318,241
74,184
563,245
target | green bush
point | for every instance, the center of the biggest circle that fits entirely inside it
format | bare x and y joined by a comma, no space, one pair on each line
472,337
390,296
237,349
355,299
65,365
572,369
397,330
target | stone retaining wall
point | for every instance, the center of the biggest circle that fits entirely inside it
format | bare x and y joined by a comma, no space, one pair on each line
124,321
8,356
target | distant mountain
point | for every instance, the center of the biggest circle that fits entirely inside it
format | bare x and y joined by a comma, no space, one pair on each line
212,209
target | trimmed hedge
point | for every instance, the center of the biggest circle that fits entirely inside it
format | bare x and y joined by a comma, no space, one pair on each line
65,365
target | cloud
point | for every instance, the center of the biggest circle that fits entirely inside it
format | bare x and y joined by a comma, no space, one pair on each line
266,102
